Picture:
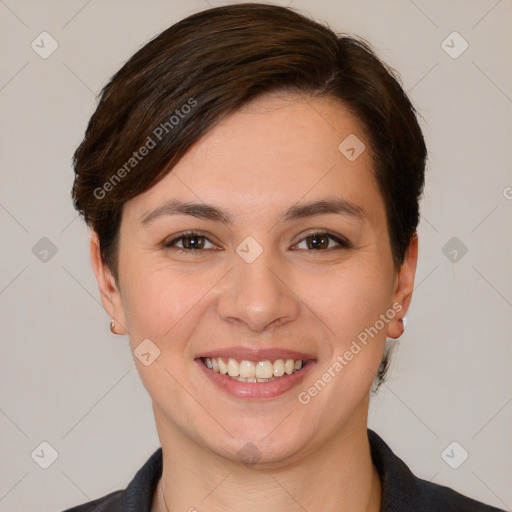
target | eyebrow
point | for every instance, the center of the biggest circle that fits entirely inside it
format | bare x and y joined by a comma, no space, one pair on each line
298,211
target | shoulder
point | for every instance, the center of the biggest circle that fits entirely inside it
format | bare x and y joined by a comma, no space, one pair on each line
403,491
111,502
137,497
434,497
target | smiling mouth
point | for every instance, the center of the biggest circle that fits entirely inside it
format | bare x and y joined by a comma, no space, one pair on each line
254,371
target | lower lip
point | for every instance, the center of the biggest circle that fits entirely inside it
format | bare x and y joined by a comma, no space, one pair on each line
256,390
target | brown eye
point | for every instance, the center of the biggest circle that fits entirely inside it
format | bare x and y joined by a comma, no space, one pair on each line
189,242
193,242
323,241
318,242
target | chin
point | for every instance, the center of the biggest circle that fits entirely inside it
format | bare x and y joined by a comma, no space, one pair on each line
264,444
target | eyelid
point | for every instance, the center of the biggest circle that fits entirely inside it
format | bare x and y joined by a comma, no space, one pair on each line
343,242
169,242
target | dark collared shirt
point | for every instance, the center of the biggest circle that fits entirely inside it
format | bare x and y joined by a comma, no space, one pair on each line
402,491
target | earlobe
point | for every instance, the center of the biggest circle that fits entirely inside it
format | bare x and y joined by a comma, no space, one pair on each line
109,292
403,290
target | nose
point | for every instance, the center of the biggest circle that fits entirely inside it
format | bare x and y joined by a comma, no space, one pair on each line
257,295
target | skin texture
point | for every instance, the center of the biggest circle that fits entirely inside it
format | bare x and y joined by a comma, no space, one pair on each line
276,152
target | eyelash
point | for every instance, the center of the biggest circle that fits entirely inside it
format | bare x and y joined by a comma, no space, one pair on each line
343,242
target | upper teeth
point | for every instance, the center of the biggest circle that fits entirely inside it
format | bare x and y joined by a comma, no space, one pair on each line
254,371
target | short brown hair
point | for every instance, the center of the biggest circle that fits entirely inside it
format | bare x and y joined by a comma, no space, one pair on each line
192,75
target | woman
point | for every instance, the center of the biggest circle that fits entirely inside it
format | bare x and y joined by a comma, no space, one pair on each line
251,181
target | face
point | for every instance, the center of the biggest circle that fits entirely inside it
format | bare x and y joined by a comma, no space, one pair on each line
285,256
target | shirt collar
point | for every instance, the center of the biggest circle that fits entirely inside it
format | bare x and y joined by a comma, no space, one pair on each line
397,480
399,485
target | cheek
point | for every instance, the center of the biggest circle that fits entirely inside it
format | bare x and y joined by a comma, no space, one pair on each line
352,302
163,302
163,306
349,299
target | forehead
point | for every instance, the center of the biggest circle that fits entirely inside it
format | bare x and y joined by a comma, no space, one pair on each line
275,150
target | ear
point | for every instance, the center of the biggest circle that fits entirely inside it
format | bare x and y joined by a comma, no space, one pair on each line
109,292
404,285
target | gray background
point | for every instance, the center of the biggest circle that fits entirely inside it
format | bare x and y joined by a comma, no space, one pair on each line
67,381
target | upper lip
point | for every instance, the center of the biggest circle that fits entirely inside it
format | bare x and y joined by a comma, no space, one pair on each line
241,353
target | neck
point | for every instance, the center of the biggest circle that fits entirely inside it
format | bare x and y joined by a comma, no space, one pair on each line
339,476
